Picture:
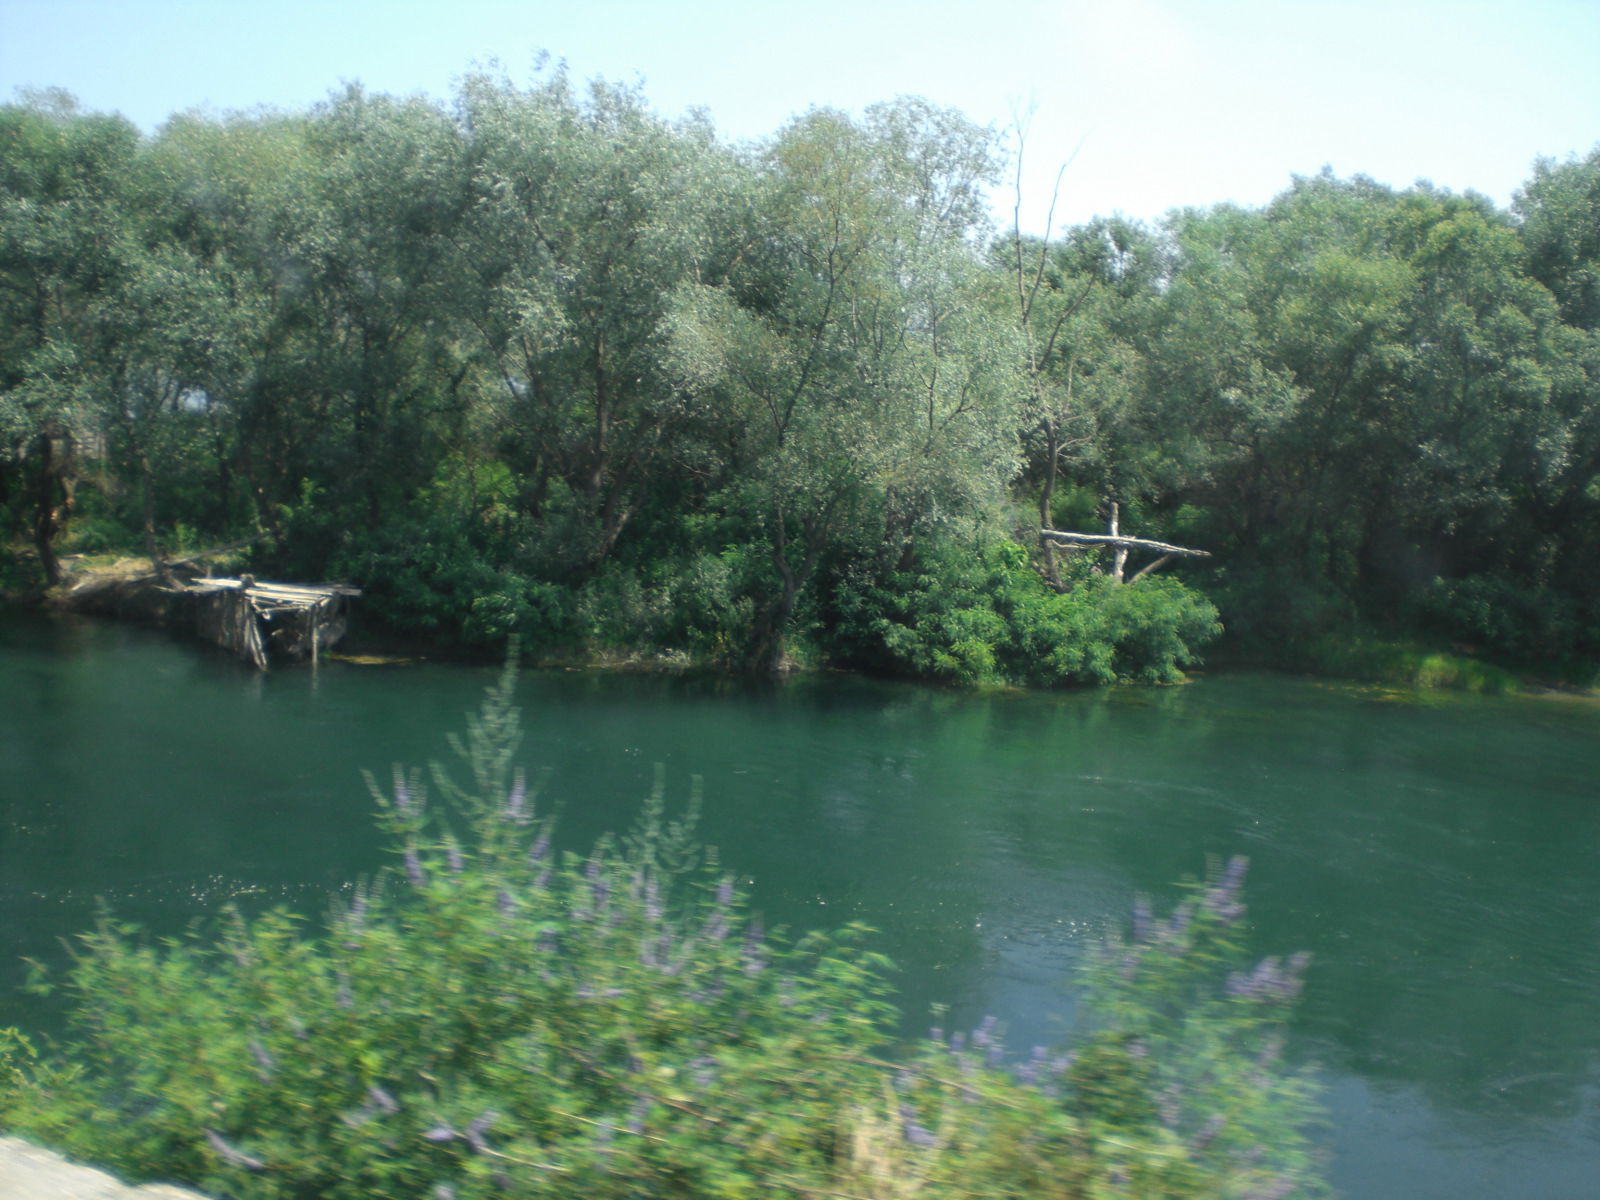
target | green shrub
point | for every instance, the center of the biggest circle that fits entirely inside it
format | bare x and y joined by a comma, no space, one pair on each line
435,579
1274,611
493,1019
989,618
1404,663
1519,622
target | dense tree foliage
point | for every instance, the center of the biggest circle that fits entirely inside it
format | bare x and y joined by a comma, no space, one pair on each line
544,363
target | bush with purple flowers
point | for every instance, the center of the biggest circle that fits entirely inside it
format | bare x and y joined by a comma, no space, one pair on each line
493,1019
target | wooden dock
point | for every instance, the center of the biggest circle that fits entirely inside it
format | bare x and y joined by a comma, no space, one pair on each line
261,621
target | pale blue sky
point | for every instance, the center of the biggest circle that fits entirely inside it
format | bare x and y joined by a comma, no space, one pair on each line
1158,103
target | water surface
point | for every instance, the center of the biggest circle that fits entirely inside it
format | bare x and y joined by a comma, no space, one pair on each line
1438,854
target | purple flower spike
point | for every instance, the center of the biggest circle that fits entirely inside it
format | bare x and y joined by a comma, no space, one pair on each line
479,1127
517,799
636,1117
1222,899
263,1059
725,893
1141,918
705,1070
440,1133
1233,877
754,952
541,846
1271,980
505,903
453,857
383,1100
652,901
231,1155
916,1133
414,867
402,794
1178,925
1207,1134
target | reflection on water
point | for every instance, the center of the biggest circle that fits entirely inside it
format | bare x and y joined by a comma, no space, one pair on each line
1437,853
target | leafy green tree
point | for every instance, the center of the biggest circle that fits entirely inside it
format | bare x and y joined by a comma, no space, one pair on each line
1370,387
365,240
590,211
1559,209
66,235
861,366
228,193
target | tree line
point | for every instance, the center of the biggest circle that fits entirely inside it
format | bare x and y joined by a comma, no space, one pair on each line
541,362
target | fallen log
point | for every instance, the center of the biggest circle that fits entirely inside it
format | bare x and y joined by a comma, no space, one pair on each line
1071,540
1114,539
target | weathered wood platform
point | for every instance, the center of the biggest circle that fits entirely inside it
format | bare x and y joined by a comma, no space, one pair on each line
259,621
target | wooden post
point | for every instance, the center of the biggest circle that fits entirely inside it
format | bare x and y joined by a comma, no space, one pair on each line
1119,558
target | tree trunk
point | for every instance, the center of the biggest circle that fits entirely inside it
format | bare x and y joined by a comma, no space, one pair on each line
767,635
52,497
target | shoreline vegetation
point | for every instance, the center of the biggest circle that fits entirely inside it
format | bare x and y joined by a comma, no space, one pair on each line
539,363
113,586
498,1015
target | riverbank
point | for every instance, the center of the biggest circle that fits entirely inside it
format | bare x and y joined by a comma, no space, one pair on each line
128,588
1408,663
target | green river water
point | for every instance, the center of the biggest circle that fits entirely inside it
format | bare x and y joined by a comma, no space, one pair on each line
1438,854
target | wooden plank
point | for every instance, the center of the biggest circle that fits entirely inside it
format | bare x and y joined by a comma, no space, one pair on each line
291,592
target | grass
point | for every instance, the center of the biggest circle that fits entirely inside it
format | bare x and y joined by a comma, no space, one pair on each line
1409,664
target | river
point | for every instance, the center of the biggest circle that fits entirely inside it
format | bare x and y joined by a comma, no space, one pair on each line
1439,854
